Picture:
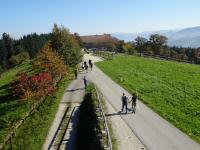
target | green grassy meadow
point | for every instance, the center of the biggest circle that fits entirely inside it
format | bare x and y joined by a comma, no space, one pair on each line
11,109
170,88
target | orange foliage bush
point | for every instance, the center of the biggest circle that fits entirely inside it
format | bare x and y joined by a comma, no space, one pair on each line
52,62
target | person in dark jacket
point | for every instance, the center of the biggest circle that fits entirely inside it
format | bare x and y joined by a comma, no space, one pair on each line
85,82
91,64
124,103
75,73
86,68
133,102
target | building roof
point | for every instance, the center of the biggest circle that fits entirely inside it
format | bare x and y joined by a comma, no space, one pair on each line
98,38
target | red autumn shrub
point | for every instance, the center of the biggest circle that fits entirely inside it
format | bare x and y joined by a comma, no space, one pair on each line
36,86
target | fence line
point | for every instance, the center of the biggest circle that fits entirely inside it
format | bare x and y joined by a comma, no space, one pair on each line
103,54
164,58
105,121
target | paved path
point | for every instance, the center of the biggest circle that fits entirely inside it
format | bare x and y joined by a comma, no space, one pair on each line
126,140
155,132
69,141
73,94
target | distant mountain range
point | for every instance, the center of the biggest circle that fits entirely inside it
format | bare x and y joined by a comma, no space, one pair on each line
188,37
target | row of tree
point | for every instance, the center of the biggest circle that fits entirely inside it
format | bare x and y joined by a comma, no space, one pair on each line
157,45
30,45
61,40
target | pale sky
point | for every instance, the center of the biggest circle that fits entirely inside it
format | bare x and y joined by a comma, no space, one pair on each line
19,17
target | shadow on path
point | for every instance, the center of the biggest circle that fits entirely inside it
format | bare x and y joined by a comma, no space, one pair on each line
118,114
73,90
72,135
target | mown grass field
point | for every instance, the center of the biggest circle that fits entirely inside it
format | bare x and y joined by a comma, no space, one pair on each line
170,88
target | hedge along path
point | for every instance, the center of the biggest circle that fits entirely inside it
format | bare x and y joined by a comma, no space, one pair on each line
22,120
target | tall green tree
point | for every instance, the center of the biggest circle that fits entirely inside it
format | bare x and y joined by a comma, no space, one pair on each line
78,39
66,45
140,44
3,55
197,55
129,48
157,41
120,45
8,44
6,50
33,43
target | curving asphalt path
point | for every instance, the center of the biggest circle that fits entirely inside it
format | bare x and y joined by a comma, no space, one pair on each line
152,130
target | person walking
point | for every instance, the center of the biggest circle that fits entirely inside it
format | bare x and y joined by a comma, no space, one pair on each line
75,73
124,103
85,81
133,102
85,63
83,66
91,66
90,63
86,68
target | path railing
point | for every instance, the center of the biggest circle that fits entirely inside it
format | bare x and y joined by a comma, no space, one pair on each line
109,144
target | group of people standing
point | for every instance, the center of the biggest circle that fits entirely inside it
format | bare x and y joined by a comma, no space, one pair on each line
125,101
85,65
